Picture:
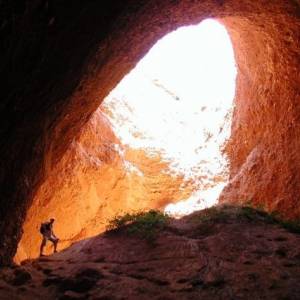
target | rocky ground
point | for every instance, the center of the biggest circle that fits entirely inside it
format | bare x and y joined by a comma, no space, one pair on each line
220,253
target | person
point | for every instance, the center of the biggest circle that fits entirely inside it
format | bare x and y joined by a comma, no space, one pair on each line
46,230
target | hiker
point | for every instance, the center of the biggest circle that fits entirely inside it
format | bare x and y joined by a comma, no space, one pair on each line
47,231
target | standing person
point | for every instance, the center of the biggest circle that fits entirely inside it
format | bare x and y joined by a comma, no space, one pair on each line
46,230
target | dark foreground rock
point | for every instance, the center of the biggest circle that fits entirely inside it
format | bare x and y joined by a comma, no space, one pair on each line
220,253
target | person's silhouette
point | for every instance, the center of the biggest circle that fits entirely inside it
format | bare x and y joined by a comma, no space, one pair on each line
46,230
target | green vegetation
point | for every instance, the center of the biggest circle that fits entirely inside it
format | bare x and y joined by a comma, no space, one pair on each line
145,225
212,214
227,213
276,218
253,214
291,226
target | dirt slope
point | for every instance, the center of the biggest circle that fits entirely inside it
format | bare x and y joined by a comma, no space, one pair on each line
224,253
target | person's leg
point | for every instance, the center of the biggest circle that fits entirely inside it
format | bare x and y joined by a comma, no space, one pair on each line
43,245
55,245
54,240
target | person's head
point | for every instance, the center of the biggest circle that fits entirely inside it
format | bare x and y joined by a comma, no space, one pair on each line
52,220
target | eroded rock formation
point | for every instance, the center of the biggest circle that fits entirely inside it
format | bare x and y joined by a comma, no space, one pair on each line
97,179
59,60
264,144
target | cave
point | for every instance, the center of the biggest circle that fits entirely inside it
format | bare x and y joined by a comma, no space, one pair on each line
131,156
60,61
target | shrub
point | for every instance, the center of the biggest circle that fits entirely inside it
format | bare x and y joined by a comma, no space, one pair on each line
275,218
229,213
254,214
215,214
145,225
291,226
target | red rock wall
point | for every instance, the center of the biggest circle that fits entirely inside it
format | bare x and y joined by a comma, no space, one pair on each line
264,146
96,180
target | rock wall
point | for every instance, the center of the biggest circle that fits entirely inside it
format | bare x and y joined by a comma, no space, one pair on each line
264,146
58,61
97,179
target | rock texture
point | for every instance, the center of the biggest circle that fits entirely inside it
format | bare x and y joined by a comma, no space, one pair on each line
58,61
97,179
263,148
231,253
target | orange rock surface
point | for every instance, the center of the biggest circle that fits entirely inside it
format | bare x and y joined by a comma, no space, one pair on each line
263,149
97,179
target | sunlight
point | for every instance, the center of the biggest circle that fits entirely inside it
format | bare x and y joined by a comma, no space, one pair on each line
178,102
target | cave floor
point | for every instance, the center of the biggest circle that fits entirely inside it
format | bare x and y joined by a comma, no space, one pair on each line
223,253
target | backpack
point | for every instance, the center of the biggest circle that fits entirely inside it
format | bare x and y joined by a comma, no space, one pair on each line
44,227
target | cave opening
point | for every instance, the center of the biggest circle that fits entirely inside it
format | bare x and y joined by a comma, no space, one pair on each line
177,104
156,141
75,58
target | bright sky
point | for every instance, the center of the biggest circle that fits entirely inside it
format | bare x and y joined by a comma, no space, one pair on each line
178,101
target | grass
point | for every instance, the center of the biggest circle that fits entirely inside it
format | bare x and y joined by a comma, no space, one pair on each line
227,213
252,214
145,225
291,226
212,214
275,217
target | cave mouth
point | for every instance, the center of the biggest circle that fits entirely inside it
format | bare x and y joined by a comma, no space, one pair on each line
73,67
155,142
177,104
